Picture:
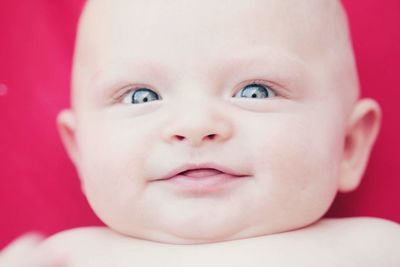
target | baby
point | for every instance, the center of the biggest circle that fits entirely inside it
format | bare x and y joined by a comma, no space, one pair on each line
217,133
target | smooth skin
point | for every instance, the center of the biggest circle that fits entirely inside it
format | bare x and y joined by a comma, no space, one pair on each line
348,242
310,138
297,148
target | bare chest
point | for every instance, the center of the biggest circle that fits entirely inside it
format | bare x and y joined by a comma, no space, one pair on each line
250,252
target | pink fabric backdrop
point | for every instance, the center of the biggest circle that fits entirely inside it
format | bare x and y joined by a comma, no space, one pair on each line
39,188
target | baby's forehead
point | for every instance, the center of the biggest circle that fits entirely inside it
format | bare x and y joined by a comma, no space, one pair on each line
175,26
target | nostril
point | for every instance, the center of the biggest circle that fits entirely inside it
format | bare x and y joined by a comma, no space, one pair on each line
207,137
211,136
179,137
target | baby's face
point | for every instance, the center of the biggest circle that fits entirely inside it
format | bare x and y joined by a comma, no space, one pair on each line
247,95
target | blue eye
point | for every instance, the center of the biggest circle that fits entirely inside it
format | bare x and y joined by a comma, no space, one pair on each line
256,91
140,96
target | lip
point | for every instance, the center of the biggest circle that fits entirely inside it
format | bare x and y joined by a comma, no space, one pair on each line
202,178
189,167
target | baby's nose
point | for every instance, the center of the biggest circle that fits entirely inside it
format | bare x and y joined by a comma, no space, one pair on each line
197,127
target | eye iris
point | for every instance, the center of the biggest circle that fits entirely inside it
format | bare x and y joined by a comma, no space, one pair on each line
255,91
143,96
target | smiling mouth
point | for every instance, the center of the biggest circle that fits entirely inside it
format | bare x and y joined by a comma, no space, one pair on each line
200,173
202,180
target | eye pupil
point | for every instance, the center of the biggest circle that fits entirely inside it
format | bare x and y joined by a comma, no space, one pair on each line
145,99
253,95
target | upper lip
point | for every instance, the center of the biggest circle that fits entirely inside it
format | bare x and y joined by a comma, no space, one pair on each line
192,166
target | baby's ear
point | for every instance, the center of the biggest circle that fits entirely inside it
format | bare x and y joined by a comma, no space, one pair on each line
363,127
66,128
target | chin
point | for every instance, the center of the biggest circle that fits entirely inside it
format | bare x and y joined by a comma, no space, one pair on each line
191,235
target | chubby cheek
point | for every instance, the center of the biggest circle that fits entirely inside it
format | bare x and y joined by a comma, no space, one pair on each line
296,163
111,169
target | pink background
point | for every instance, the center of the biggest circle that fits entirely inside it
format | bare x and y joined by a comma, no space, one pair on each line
39,188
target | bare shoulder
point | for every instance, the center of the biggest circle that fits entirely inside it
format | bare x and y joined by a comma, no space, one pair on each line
79,236
89,246
369,241
96,238
74,244
369,228
371,221
101,246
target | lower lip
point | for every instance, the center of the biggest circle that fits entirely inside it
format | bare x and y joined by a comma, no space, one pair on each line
203,185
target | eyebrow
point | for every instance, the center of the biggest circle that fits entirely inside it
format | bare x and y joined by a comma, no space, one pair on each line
137,65
279,64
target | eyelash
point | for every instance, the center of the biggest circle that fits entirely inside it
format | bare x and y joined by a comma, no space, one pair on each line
131,88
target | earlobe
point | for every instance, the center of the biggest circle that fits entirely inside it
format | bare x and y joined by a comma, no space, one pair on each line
66,128
362,130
